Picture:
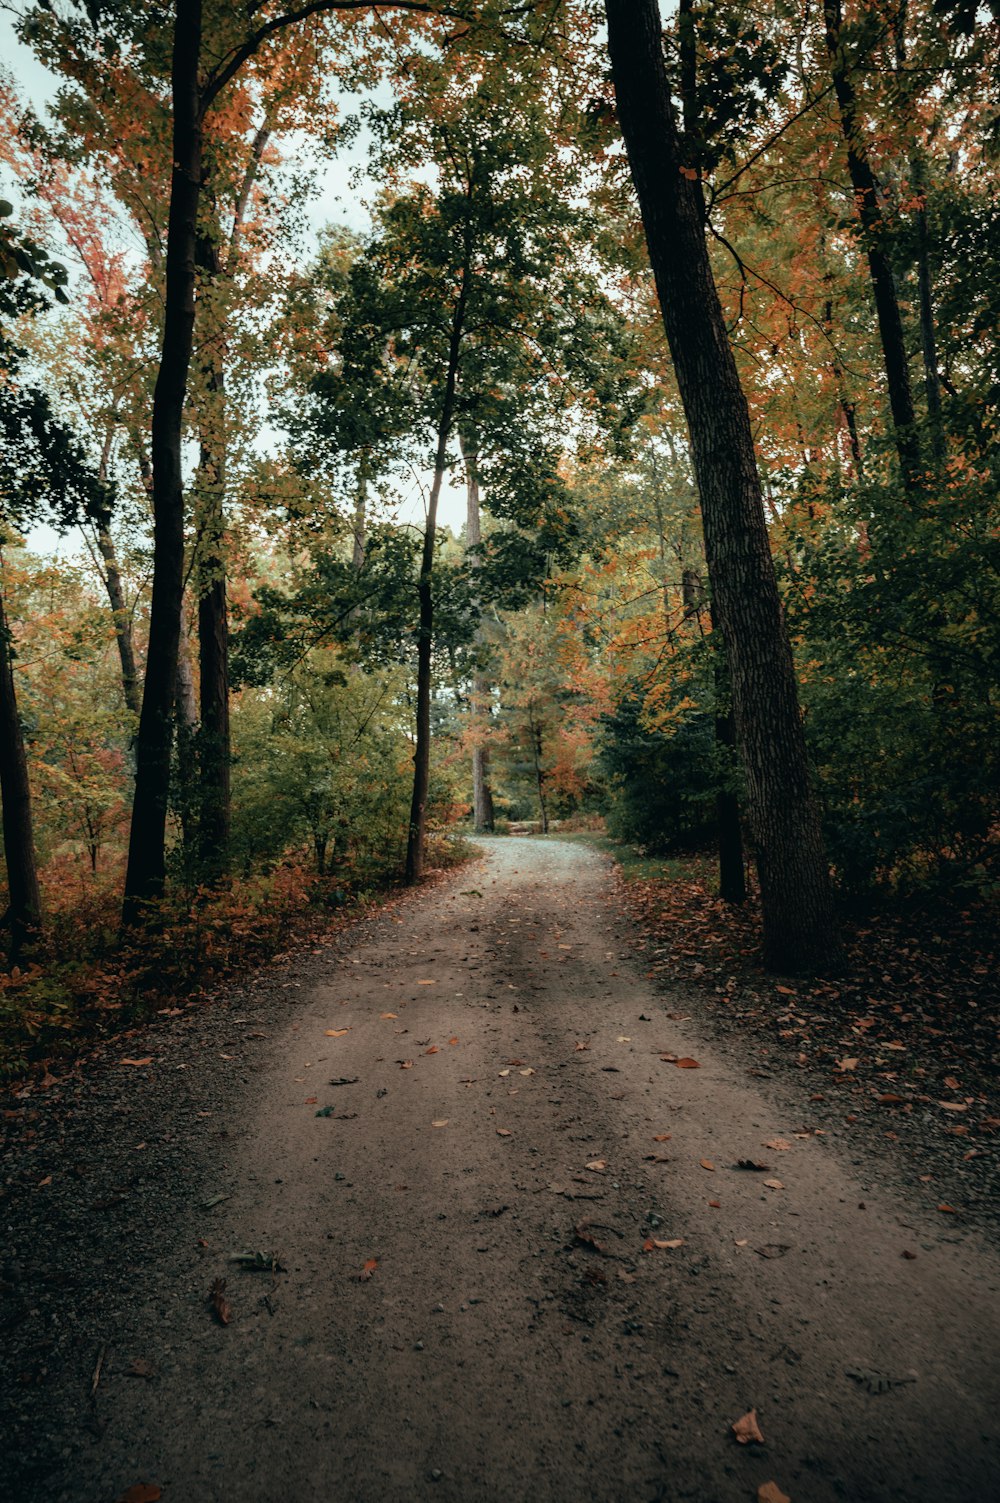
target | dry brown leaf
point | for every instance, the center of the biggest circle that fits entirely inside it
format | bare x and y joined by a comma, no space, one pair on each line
747,1429
847,1064
652,1242
405,1064
140,1368
336,1033
661,1137
388,1014
453,1040
706,1164
687,1063
42,1182
774,1184
147,1061
585,1235
528,1071
597,1165
770,1492
952,1210
141,1492
743,1242
432,1050
217,1299
715,1204
310,1100
432,982
780,1145
503,1132
954,1106
442,1122
370,1266
578,1047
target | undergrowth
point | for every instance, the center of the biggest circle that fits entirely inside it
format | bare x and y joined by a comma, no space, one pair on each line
87,982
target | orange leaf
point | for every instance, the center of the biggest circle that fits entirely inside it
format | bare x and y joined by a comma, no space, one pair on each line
770,1492
147,1061
706,1164
432,1050
310,1101
952,1210
141,1492
715,1204
370,1266
453,1041
661,1137
687,1064
388,1014
747,1429
432,982
336,1033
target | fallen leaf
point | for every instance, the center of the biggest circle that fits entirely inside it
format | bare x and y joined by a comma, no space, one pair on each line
652,1242
336,1033
310,1101
46,1181
388,1014
432,982
770,1492
715,1204
707,1164
405,1064
779,1145
743,1242
528,1071
453,1041
370,1266
952,1210
147,1061
141,1492
597,1165
585,1235
623,1038
442,1122
774,1184
140,1368
747,1429
503,1132
432,1050
847,1064
661,1137
217,1299
954,1106
686,1063
578,1047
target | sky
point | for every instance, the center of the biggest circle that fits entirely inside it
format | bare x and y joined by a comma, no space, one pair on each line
338,199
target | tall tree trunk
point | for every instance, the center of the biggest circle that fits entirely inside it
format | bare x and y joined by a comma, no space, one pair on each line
359,525
799,927
146,856
213,617
874,236
425,629
732,870
482,792
24,905
537,756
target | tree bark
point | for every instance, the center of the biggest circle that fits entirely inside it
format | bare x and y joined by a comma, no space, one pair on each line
799,927
214,750
482,792
425,629
874,237
101,518
146,856
24,903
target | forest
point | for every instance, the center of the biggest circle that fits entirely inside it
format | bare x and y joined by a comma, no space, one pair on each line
425,419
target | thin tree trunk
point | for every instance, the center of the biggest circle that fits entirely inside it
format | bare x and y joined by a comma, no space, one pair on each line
147,854
732,869
425,630
537,753
213,618
24,903
101,517
874,237
186,718
799,927
482,793
359,526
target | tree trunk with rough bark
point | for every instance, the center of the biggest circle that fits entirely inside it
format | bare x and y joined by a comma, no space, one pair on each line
147,841
24,904
111,574
799,928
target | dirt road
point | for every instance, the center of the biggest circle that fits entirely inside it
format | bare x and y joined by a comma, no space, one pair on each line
503,1138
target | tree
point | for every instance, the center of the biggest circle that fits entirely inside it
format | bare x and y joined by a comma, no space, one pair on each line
799,927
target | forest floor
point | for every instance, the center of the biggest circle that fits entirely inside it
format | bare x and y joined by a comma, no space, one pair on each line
529,1224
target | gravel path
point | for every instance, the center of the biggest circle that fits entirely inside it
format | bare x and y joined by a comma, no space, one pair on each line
463,1309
